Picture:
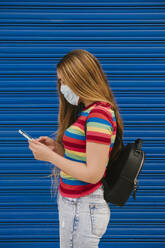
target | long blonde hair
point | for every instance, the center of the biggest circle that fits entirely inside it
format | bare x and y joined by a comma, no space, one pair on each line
82,72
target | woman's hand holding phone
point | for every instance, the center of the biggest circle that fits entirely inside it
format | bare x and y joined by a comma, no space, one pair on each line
52,144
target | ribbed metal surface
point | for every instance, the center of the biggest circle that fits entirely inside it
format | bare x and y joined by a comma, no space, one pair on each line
128,38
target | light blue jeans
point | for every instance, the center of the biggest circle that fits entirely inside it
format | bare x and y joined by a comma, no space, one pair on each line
83,220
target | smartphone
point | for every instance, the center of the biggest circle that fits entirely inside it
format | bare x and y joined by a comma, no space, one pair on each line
27,136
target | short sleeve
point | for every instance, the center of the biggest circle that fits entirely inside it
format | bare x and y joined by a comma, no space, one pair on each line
99,126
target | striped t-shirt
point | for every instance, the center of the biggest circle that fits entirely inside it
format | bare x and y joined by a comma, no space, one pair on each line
100,128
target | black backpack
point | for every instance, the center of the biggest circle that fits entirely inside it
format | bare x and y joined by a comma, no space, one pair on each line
122,171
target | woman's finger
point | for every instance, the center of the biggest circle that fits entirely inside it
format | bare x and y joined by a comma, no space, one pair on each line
42,138
33,141
32,144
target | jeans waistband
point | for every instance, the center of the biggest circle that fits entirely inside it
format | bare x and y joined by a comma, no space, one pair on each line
98,193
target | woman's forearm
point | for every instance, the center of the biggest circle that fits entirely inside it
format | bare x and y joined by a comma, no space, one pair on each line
76,170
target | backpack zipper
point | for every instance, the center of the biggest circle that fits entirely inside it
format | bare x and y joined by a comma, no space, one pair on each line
135,180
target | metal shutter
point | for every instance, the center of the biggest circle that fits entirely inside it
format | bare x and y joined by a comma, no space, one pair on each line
128,39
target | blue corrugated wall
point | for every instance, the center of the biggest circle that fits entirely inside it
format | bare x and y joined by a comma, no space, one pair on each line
128,37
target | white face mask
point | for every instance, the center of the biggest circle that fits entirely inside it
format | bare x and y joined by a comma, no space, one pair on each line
70,96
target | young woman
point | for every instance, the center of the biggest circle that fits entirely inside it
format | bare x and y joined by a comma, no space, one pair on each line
85,99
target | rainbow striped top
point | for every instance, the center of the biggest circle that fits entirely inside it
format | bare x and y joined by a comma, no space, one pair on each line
101,128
